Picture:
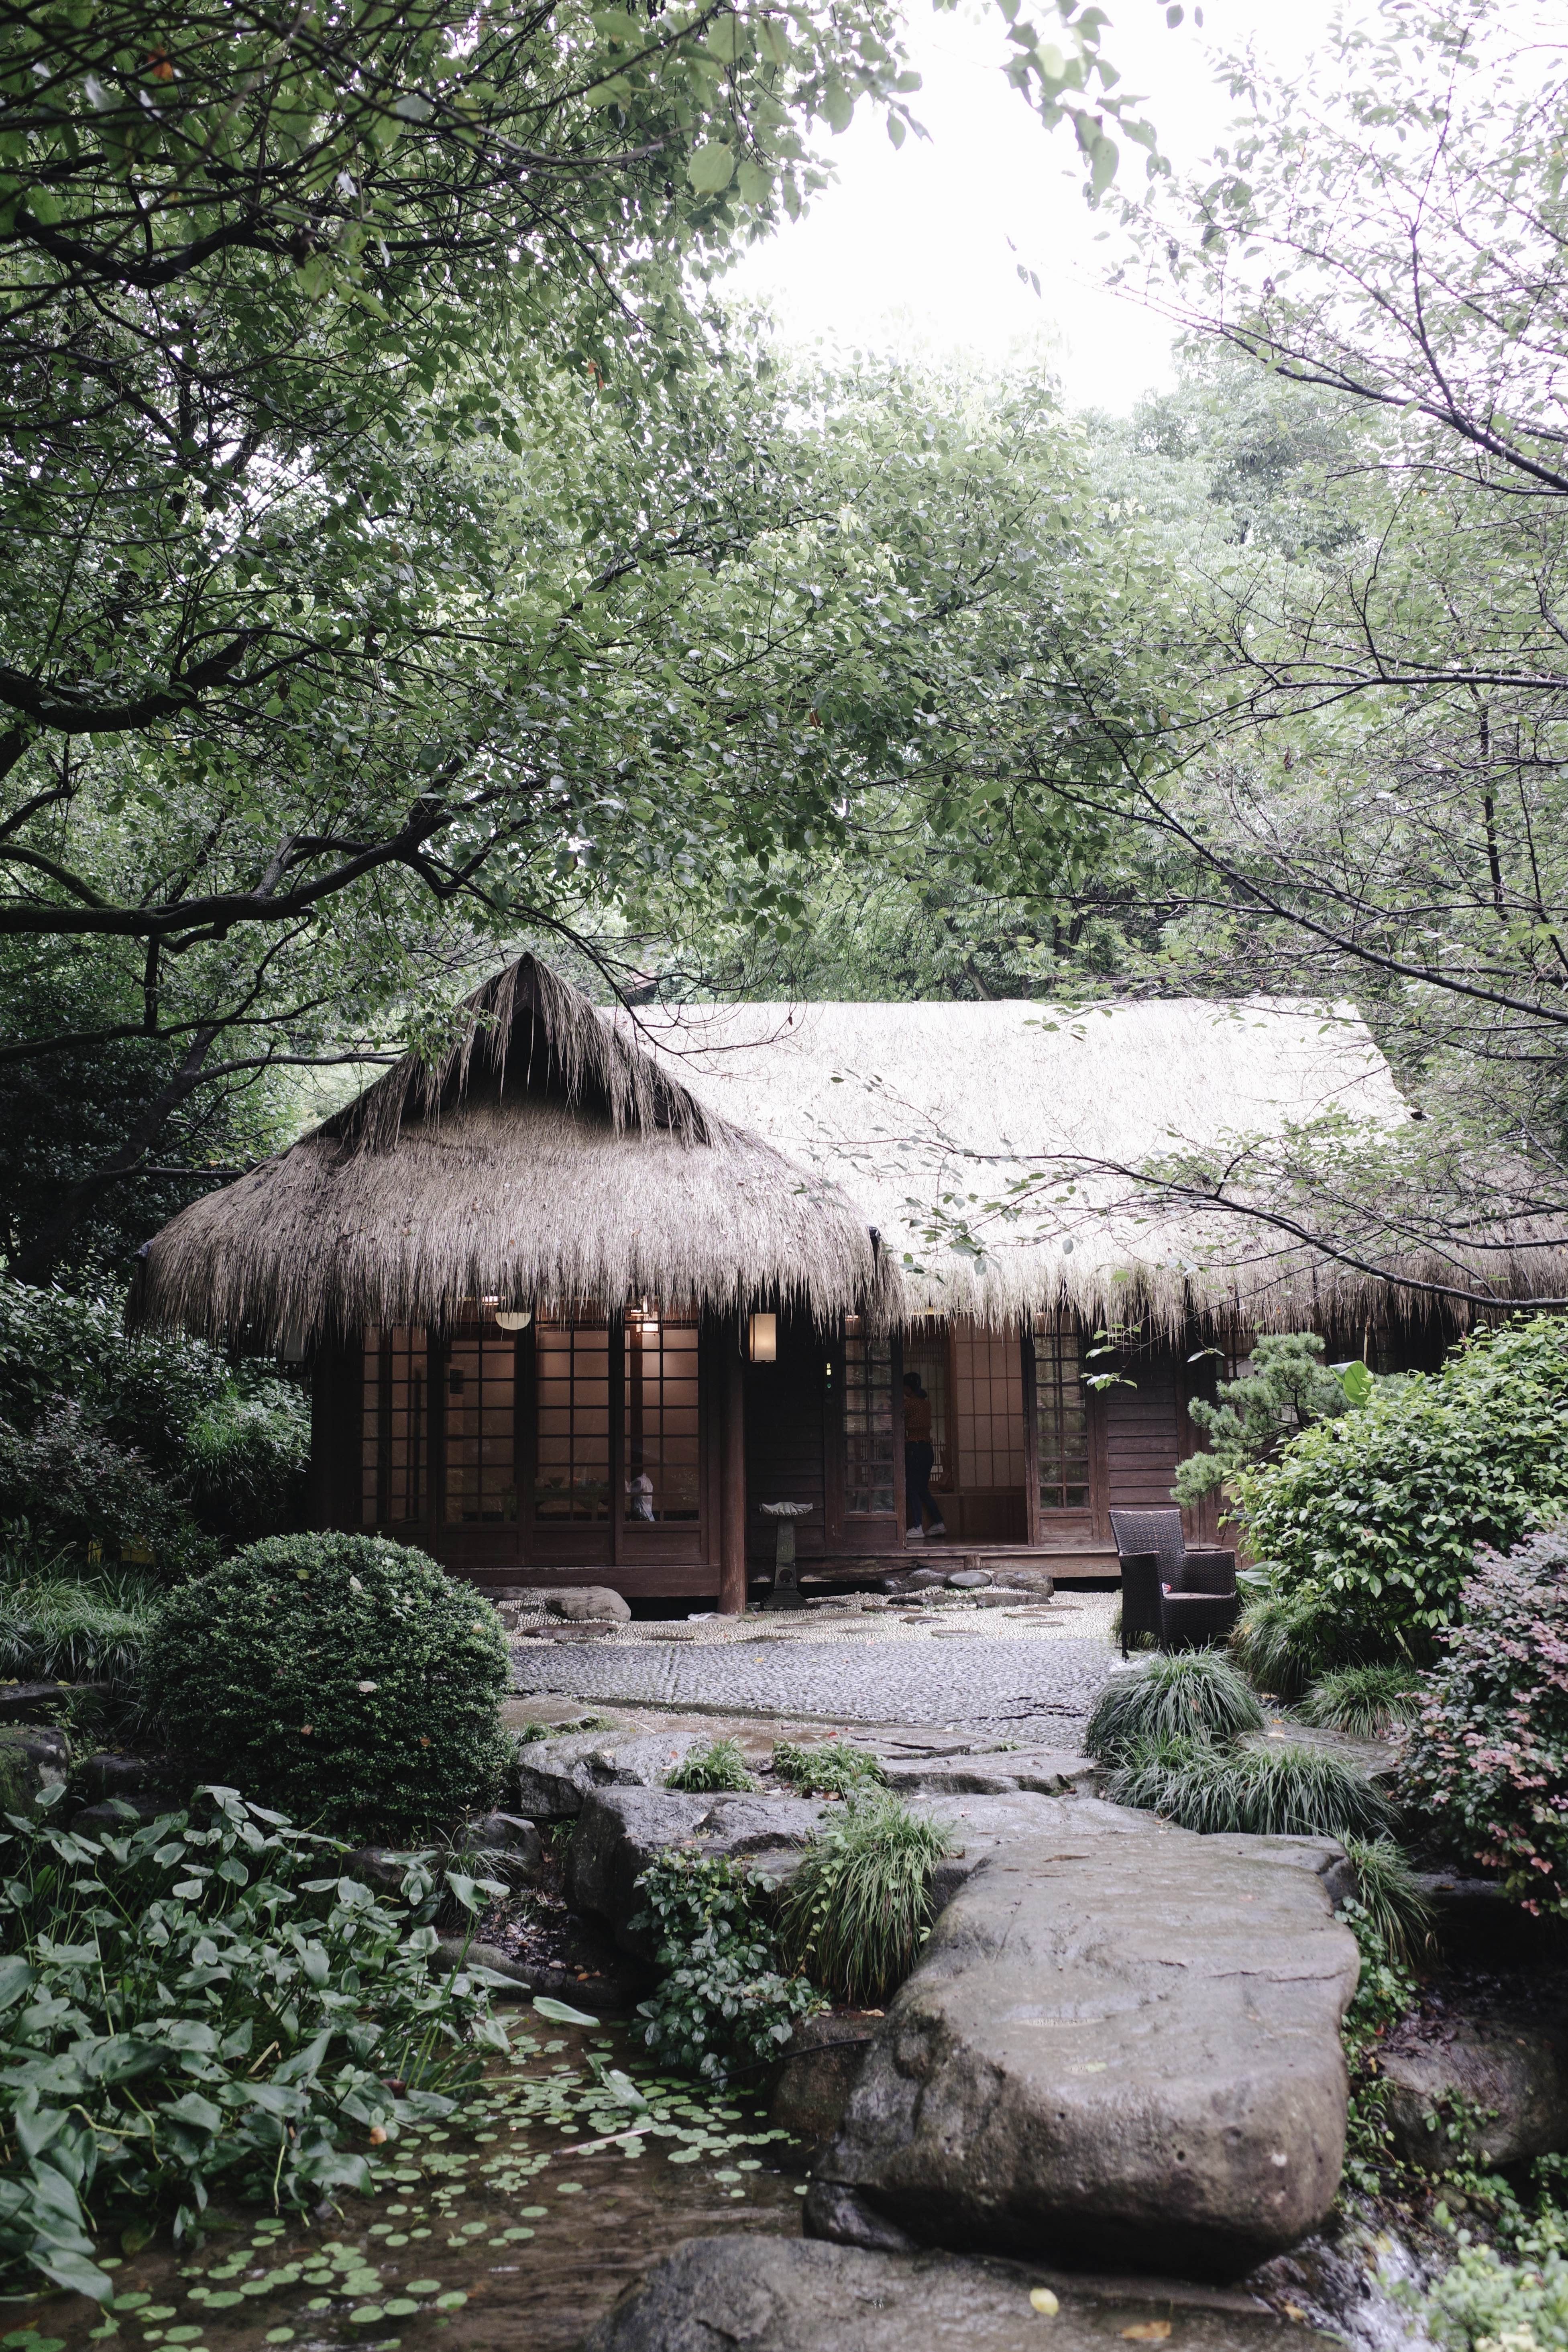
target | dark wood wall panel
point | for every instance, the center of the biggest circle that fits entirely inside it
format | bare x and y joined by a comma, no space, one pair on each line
1145,1436
784,1440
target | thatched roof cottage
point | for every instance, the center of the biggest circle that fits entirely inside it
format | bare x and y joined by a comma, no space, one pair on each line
585,1292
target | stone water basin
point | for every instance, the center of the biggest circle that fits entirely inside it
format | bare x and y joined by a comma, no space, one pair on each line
517,2230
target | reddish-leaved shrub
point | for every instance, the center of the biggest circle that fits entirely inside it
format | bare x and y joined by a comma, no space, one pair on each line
1487,1767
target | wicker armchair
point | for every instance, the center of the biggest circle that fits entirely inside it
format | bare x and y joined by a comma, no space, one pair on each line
1183,1598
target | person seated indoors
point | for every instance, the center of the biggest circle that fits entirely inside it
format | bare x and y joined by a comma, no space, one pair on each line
920,1457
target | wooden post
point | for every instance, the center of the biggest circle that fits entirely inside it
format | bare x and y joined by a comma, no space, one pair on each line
1032,1531
733,1473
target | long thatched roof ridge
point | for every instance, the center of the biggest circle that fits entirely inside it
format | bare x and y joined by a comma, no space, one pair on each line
543,1159
928,1115
849,1157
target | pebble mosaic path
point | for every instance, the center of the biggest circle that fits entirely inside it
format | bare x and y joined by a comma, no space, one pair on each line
1009,1683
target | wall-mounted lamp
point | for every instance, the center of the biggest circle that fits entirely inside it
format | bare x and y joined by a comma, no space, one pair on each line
764,1346
515,1318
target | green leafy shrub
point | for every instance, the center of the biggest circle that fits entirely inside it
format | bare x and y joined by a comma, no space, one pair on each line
1191,1694
724,2000
832,1767
1486,1770
858,1907
719,1765
247,1459
66,1486
1288,1389
1370,1522
78,1629
1365,1701
143,1443
1272,1791
203,2003
343,1678
1483,2302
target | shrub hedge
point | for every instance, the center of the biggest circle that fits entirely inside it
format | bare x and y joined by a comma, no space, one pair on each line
1370,1522
346,1680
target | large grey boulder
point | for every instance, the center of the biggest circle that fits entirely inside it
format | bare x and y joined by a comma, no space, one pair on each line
787,2294
554,1775
1498,2081
578,1604
621,1830
1115,2049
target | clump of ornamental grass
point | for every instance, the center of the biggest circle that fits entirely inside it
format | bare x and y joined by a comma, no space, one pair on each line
715,1768
1281,1640
833,1768
858,1907
75,1629
1194,1694
1365,1701
1390,1896
1279,1790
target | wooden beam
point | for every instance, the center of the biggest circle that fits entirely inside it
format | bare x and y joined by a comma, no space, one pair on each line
732,1471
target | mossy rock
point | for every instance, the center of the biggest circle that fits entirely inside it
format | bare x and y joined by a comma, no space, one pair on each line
32,1758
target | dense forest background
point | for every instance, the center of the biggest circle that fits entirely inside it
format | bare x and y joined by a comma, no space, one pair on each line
425,562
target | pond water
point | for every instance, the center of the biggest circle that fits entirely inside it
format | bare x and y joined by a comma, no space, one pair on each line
514,2226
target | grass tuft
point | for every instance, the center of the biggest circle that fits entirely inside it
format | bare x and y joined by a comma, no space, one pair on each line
79,1630
832,1767
1194,1694
1274,1792
1365,1701
857,1909
1388,1893
719,1766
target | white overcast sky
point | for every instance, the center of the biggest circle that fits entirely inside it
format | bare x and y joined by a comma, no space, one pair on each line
919,244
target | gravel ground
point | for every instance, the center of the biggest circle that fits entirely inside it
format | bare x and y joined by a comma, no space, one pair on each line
1013,1680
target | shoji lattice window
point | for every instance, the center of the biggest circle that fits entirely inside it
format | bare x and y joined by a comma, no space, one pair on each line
1062,1404
572,1470
867,1426
988,1384
481,1424
661,1460
395,1475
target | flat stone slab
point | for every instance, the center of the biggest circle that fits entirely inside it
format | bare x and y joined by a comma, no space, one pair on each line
1043,1772
1116,2049
789,2294
620,1831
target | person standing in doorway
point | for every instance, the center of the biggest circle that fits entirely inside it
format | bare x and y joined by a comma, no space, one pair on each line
920,1455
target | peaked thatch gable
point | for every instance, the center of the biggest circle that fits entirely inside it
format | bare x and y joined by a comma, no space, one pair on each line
541,1159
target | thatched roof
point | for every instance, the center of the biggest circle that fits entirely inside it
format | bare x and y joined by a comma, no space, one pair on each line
847,1156
928,1115
541,1159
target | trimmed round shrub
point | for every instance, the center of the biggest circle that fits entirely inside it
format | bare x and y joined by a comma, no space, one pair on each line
346,1680
1486,1771
1193,1694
